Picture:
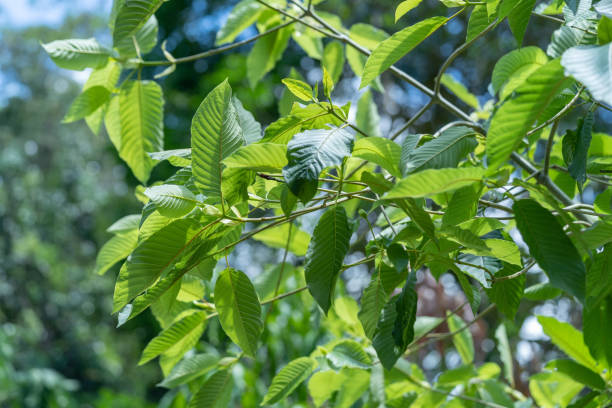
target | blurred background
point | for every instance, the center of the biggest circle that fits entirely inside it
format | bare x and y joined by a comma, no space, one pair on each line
61,187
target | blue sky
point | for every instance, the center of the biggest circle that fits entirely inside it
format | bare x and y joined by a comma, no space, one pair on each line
23,13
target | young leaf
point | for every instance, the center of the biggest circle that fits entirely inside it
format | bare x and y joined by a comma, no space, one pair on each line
215,134
311,151
479,20
404,7
434,181
299,88
381,151
145,37
242,16
447,150
333,60
140,122
77,54
132,15
239,309
515,117
171,200
115,249
463,340
326,251
395,47
215,392
182,335
289,378
276,237
258,157
569,340
550,246
87,103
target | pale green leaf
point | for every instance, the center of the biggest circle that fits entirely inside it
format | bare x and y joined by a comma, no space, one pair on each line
242,16
276,237
514,68
215,392
404,7
434,181
578,372
299,88
239,309
115,249
189,369
381,151
258,157
460,91
145,37
463,340
368,119
266,52
171,200
553,389
333,59
87,103
132,15
505,353
288,379
125,224
591,65
77,54
395,47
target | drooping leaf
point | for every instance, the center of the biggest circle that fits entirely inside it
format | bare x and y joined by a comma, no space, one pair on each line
479,20
405,307
519,18
462,206
289,378
215,134
395,47
171,200
132,15
434,181
326,251
503,346
368,119
145,37
462,340
140,125
242,16
507,294
311,151
576,147
381,151
383,341
569,340
239,310
189,369
447,150
460,91
550,246
87,103
372,303
215,392
265,54
404,7
349,353
181,335
516,116
176,157
77,54
333,59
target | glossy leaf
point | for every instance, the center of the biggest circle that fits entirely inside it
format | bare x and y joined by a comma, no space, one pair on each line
77,54
132,15
243,15
333,59
404,7
514,68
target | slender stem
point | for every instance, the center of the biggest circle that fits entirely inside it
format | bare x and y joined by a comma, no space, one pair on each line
517,274
284,295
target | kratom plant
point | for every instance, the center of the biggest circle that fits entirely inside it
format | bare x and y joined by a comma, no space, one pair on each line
454,201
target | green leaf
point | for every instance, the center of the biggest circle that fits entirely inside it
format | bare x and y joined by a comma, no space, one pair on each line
373,301
434,181
189,369
309,40
404,7
447,150
541,291
125,224
405,307
155,255
140,123
243,15
258,157
326,251
460,91
106,76
251,129
505,353
333,59
383,342
176,157
367,118
239,309
479,20
395,47
349,353
87,103
598,331
328,84
215,134
171,200
576,147
550,246
553,389
577,372
462,206
516,116
309,152
276,237
514,68
77,54
145,37
591,65
215,392
381,151
367,35
463,340
288,379
507,294
604,30
604,8
519,18
116,249
299,88
181,335
132,15
569,340
265,53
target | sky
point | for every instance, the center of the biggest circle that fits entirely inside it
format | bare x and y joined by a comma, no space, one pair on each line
23,13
